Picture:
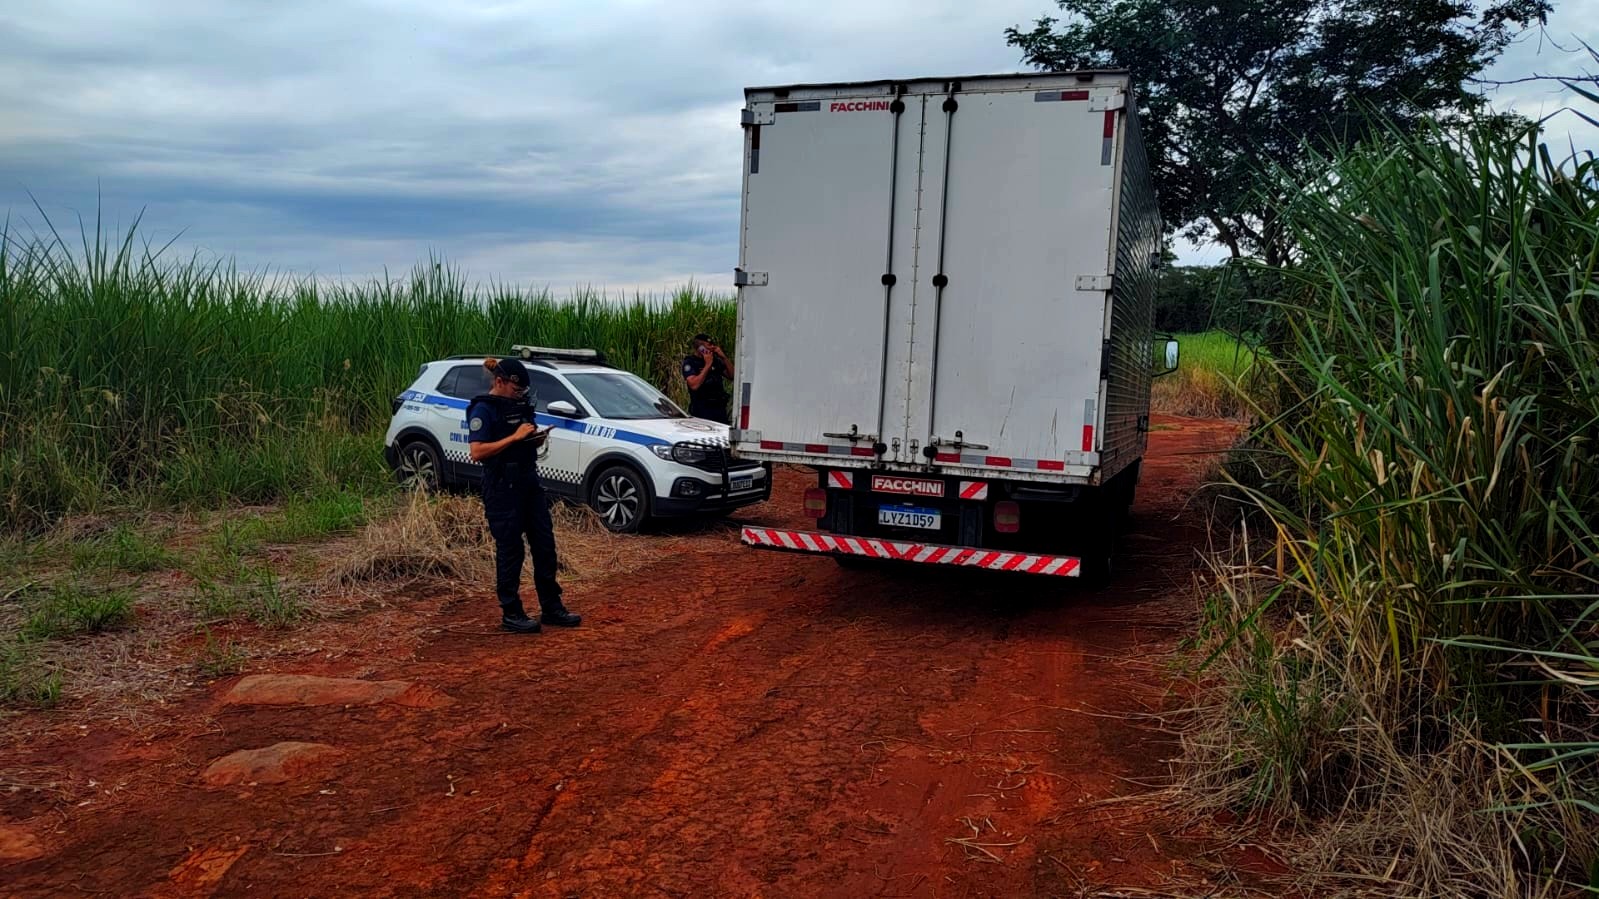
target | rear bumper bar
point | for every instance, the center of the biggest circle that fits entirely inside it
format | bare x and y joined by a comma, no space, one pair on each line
921,553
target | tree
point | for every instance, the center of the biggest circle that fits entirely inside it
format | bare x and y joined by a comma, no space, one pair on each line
1229,88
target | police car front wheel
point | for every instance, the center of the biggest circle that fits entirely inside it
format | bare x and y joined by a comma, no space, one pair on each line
419,465
620,497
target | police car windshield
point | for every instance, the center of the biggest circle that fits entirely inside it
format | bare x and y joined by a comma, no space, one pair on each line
621,395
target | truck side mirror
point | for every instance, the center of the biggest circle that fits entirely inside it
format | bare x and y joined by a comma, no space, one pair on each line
1172,351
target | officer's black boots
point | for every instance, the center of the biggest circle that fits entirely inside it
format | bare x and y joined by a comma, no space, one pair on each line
556,615
515,620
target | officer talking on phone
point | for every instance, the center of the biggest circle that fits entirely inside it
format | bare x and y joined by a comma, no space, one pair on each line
706,370
503,438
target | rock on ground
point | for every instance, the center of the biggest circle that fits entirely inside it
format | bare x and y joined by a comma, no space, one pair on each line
18,844
305,689
279,763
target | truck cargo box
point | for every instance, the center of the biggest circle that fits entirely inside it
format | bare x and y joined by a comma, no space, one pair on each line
951,278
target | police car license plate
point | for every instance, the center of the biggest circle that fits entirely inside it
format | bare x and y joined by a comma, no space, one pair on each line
908,517
743,483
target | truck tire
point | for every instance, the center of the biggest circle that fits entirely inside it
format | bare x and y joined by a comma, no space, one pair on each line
1126,493
621,498
1098,562
1101,525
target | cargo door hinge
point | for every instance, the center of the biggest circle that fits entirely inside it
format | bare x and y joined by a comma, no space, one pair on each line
1101,100
1094,282
759,114
743,278
1104,359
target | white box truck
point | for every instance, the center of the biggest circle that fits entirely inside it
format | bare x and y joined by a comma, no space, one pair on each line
945,293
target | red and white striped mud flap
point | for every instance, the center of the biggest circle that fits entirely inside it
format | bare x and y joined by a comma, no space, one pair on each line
923,553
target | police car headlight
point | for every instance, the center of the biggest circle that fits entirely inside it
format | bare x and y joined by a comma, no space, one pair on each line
689,454
664,451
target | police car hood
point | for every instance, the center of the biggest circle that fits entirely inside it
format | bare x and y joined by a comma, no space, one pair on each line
679,430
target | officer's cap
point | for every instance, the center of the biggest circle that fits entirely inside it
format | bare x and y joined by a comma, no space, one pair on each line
511,370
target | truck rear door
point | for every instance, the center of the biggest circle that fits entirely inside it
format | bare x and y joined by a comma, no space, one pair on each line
825,195
1010,375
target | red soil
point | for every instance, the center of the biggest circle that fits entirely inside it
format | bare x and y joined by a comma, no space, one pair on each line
726,722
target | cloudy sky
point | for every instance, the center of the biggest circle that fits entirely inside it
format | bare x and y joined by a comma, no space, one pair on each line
543,142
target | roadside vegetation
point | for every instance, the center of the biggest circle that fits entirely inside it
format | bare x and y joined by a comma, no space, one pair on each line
191,456
1206,383
128,379
1402,649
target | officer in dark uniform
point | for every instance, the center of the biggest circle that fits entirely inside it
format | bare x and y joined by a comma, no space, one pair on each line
706,370
504,439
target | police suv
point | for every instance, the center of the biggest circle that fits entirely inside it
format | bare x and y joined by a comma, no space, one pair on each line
617,443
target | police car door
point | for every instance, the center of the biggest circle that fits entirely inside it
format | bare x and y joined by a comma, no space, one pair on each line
447,417
560,462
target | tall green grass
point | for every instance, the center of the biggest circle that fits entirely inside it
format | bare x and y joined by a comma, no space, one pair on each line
1206,382
129,376
1414,647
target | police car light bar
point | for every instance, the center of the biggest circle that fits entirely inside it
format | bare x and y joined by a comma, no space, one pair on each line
544,352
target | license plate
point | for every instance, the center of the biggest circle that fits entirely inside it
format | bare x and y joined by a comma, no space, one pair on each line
743,483
907,517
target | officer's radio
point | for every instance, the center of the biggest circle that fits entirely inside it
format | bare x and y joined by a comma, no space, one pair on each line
542,451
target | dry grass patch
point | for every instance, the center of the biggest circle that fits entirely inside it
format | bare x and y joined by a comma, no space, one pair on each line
429,537
444,538
1355,807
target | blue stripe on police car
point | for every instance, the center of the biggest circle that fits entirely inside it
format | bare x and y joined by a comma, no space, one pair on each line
589,429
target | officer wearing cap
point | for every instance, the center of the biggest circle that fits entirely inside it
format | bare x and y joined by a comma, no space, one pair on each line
706,370
503,438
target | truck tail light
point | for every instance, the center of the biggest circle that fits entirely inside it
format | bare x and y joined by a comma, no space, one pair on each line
1007,517
815,502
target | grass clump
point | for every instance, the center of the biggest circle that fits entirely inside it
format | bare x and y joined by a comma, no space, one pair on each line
430,537
257,595
24,679
1410,666
124,549
270,604
306,518
220,658
213,602
70,609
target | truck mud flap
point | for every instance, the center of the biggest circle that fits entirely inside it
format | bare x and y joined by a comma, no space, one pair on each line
920,553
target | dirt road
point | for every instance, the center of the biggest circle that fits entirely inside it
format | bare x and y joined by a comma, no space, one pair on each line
727,722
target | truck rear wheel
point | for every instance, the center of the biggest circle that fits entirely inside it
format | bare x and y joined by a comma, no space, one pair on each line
1098,562
1103,519
1126,491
